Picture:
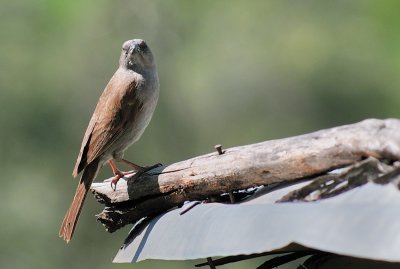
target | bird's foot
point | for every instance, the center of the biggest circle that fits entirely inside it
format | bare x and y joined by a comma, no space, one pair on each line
115,180
139,170
118,175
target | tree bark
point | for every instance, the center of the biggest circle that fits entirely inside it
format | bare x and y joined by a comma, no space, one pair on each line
238,168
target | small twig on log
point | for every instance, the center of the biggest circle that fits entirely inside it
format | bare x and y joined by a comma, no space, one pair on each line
248,166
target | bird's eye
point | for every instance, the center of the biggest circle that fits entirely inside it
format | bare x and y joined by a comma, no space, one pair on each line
143,47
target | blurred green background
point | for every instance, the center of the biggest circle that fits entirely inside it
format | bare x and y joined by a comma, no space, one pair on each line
231,72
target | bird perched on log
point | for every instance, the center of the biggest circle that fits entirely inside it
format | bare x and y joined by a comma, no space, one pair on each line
122,113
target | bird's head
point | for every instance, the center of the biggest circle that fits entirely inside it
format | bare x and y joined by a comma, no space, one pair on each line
136,55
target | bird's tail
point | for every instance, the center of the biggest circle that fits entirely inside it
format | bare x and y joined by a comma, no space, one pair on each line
71,218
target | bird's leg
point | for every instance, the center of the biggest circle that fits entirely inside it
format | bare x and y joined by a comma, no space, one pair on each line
117,174
139,170
135,166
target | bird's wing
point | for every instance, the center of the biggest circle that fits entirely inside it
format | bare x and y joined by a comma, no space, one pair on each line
81,161
117,106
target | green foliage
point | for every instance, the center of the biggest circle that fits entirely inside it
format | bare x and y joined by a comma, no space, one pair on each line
231,72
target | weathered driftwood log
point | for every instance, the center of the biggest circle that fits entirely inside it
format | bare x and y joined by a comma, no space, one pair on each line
242,167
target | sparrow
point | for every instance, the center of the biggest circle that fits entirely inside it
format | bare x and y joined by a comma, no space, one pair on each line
122,114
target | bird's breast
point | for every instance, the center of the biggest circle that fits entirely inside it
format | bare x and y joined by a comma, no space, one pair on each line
140,111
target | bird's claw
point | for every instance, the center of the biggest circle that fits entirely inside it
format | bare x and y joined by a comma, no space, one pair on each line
114,184
117,177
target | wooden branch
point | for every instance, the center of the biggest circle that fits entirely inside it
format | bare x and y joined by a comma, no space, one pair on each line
243,167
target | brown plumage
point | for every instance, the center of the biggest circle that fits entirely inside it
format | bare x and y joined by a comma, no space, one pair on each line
121,115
